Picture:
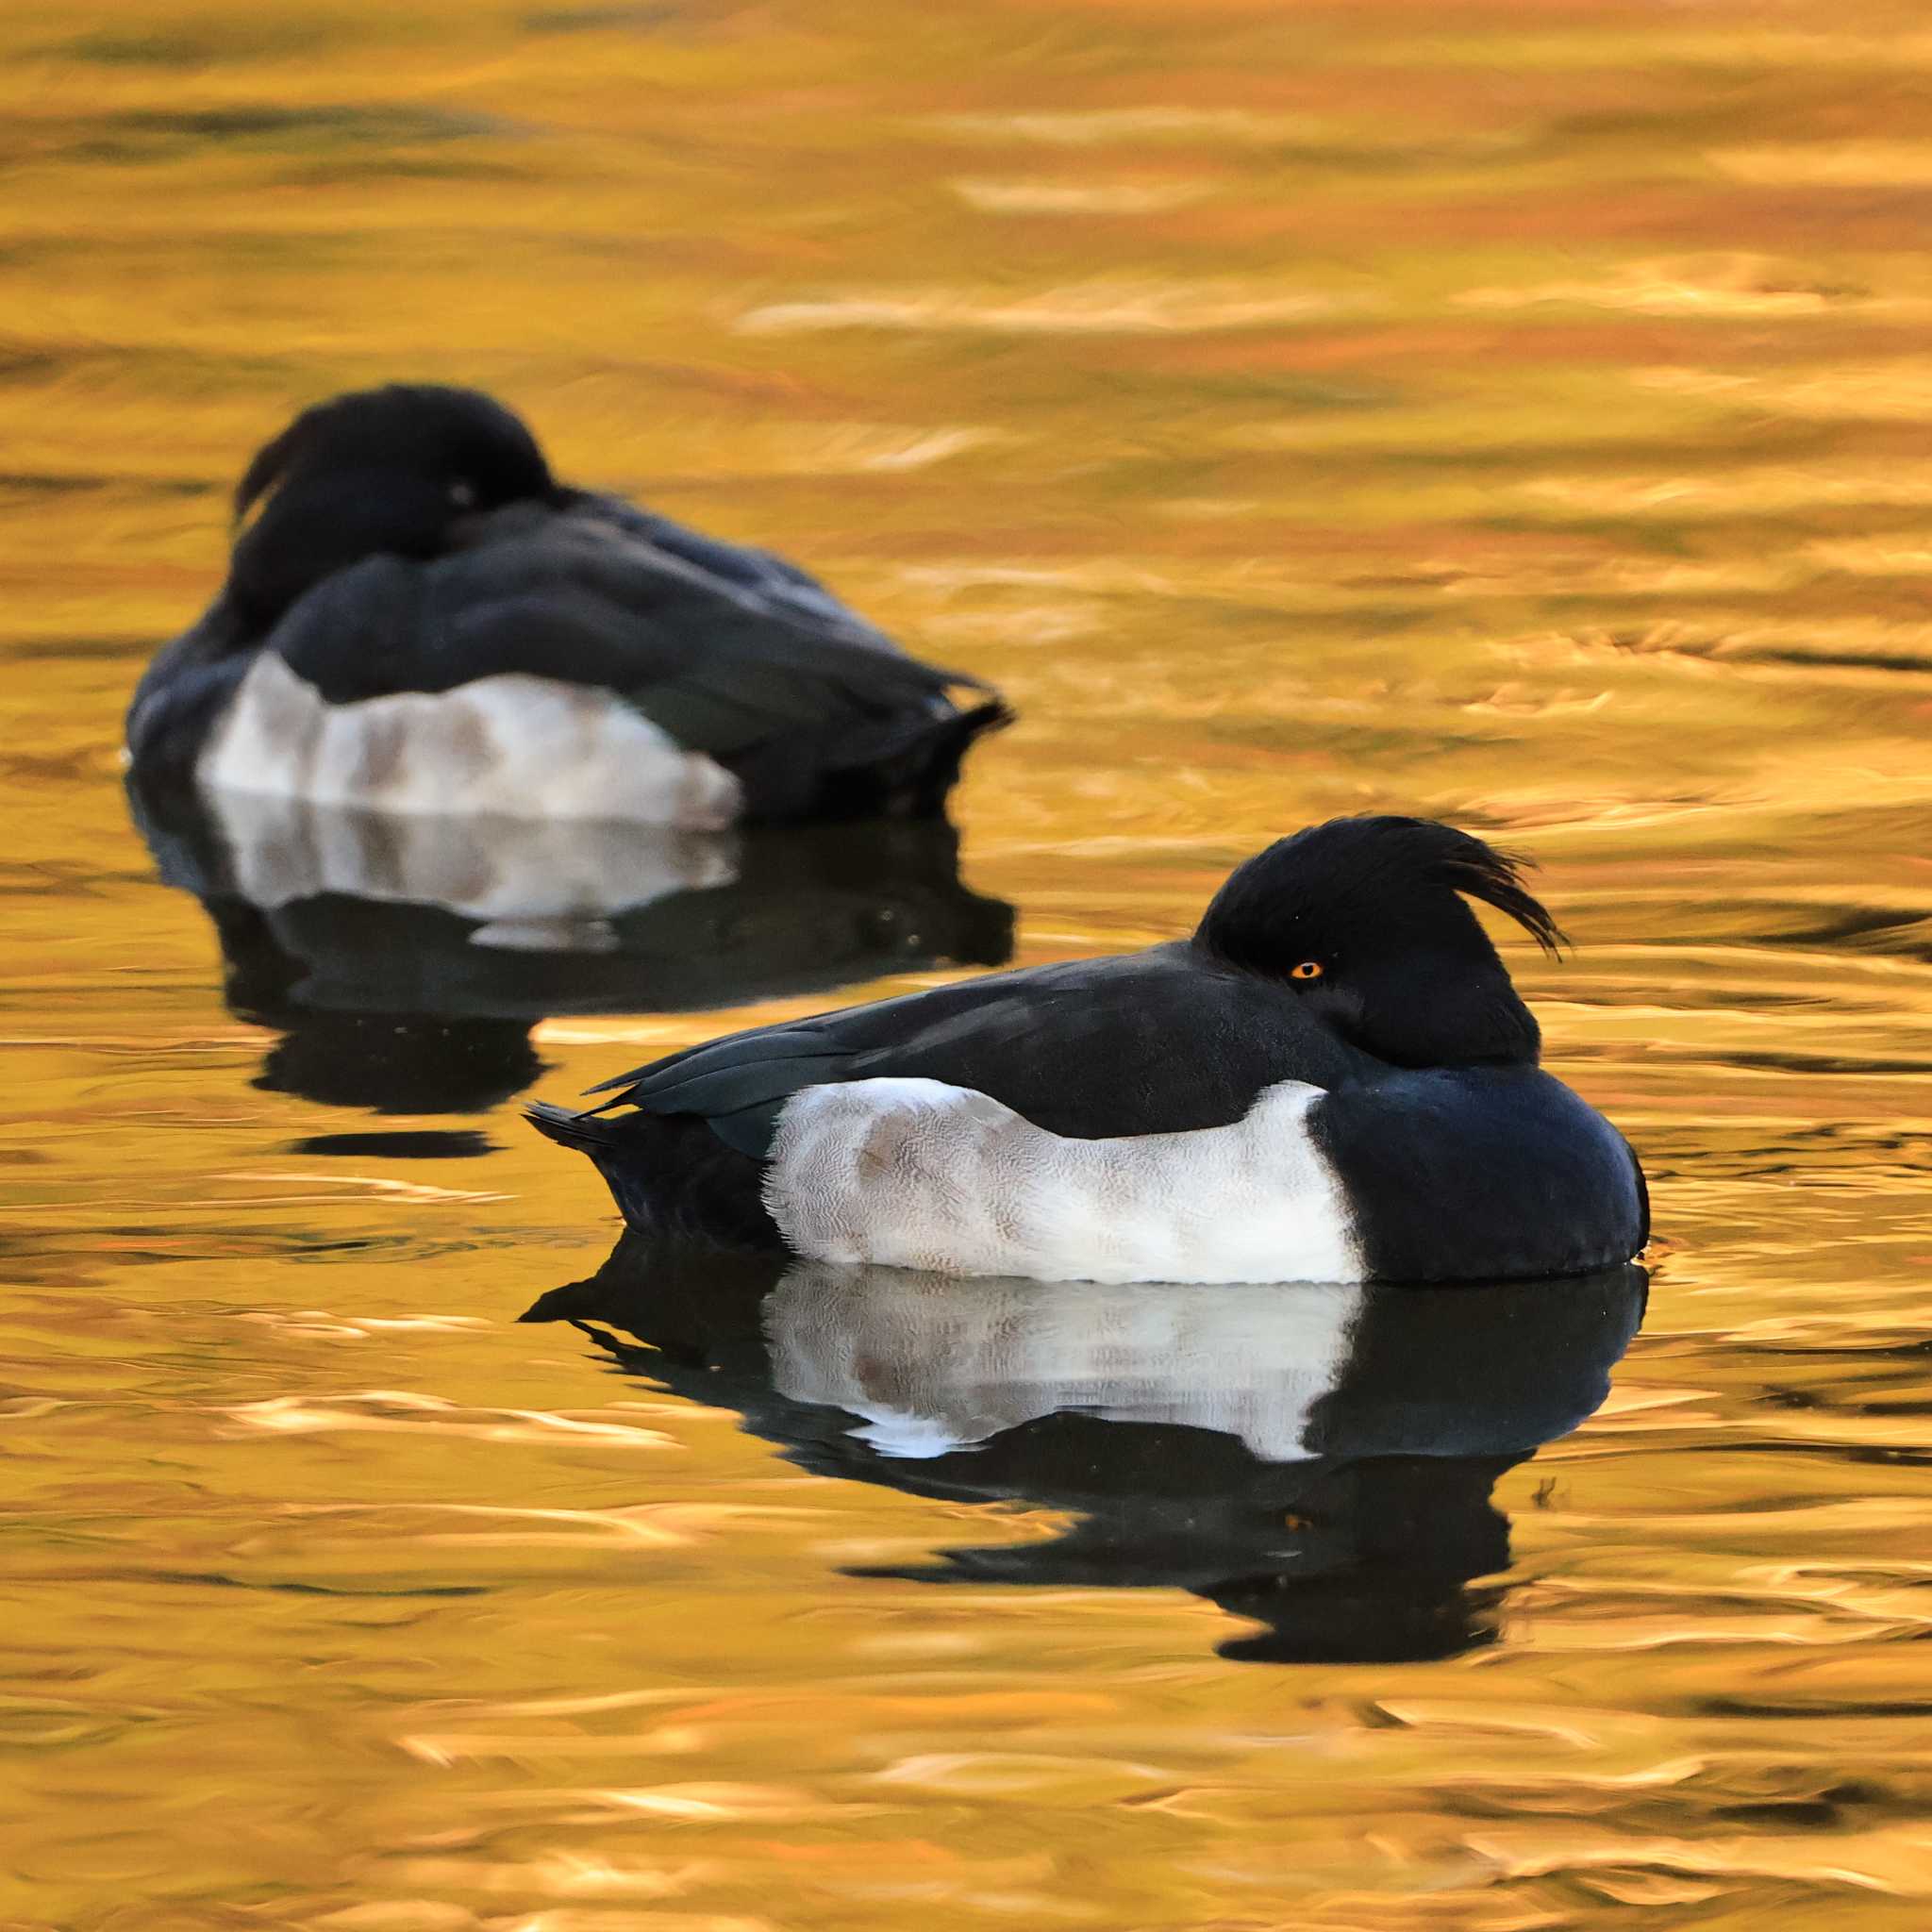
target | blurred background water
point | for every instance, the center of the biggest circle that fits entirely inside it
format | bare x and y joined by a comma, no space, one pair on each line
1512,411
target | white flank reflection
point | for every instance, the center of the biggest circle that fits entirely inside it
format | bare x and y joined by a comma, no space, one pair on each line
538,885
935,1363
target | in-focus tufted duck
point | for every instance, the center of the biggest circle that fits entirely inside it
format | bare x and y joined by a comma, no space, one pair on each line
419,618
1332,1079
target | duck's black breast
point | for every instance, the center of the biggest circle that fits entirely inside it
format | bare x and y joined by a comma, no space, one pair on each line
1161,1041
1481,1173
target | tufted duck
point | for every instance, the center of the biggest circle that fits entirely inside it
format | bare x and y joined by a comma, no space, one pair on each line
420,619
1332,1079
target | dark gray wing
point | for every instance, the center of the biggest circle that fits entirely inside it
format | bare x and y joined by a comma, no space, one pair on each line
1160,1042
759,572
719,668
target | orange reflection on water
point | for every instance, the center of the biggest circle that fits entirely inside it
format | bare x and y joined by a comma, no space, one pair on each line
1509,412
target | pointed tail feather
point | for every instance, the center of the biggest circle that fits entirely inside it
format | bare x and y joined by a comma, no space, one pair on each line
900,767
930,766
668,1174
567,1127
595,1136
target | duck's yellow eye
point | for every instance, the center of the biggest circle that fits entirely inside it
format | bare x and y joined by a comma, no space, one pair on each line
1308,969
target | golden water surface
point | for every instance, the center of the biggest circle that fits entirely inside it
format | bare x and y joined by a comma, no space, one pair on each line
1519,412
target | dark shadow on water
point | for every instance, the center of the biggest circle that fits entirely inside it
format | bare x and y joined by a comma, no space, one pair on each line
426,1143
405,960
1317,1459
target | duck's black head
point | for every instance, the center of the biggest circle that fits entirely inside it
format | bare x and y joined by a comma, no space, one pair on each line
1365,919
380,470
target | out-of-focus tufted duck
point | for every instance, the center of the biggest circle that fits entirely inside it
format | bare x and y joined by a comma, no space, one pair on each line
419,618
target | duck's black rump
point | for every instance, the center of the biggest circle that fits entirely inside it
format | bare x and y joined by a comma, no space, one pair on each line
670,1176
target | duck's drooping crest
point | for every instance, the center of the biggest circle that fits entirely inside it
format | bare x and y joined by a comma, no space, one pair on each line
1357,880
1333,1077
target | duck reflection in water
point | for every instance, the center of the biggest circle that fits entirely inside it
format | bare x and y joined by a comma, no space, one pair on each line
1317,1459
405,959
